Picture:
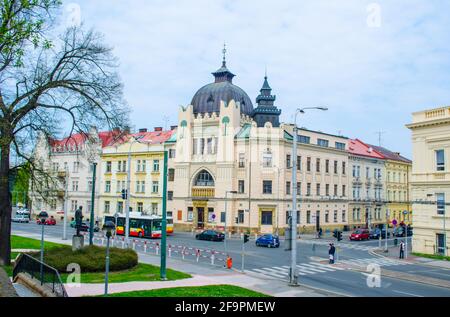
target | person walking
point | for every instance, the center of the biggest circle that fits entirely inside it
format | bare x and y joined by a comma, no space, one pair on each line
402,250
331,253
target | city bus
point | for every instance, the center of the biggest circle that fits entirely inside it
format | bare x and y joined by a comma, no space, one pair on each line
140,226
169,226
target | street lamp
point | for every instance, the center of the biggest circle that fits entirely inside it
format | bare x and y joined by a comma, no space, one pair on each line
42,219
226,205
109,227
127,202
293,281
66,196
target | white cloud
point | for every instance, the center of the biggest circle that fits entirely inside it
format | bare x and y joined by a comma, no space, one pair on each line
317,53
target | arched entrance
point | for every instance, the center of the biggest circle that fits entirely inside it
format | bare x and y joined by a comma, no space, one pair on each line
203,188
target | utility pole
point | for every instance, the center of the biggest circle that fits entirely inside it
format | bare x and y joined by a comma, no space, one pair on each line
164,220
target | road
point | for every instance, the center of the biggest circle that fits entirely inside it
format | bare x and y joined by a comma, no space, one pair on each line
272,263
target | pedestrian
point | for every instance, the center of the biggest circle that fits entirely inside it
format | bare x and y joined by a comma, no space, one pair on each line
320,233
331,252
402,250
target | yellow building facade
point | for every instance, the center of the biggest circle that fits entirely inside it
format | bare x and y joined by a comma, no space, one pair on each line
398,191
147,160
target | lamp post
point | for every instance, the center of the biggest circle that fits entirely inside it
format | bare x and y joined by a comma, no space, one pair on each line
42,219
164,220
225,226
91,227
127,202
66,196
386,231
293,281
109,228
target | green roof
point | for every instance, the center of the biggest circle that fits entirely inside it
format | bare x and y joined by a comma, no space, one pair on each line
172,139
244,133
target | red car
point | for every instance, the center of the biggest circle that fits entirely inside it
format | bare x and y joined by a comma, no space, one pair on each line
49,222
360,234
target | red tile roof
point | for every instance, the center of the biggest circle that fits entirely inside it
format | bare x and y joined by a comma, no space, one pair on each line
358,147
78,139
154,137
389,155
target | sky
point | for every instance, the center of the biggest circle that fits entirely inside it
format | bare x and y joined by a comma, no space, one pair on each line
372,63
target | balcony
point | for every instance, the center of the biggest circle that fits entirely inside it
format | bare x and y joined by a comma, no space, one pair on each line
357,181
203,192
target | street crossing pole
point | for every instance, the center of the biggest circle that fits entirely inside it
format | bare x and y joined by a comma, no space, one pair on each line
164,220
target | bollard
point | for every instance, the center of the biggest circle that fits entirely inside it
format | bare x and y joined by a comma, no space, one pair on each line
212,258
198,254
157,248
170,251
229,262
145,246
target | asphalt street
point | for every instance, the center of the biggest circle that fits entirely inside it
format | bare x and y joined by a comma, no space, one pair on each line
312,255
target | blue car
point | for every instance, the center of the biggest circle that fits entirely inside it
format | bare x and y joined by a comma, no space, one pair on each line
268,240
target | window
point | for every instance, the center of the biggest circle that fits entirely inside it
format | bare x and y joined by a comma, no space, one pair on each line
288,215
140,207
155,165
138,166
343,168
335,190
190,214
267,187
317,189
327,166
76,167
74,205
154,208
299,163
288,188
322,142
441,244
327,189
340,146
327,216
241,160
308,216
343,191
138,186
202,146
318,165
299,188
308,164
335,218
172,153
344,216
107,186
241,216
209,145
440,201
308,189
120,207
304,139
335,169
107,207
266,218
204,179
53,204
155,187
223,216
170,195
267,159
241,186
288,161
171,174
440,160
75,186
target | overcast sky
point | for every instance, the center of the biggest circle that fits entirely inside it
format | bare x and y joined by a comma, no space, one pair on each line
372,65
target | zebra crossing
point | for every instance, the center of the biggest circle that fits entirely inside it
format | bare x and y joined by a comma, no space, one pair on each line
311,268
340,245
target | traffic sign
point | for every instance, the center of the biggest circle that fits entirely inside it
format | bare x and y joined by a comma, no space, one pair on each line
214,216
405,212
394,222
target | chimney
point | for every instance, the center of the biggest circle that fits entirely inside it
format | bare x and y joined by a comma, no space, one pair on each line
143,130
173,127
158,129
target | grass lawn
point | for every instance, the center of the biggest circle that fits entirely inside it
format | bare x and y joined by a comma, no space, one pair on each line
432,256
142,272
28,243
198,291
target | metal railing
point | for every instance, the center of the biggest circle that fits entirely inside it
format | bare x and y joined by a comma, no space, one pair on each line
47,275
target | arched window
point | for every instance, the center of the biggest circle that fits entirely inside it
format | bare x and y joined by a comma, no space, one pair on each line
204,179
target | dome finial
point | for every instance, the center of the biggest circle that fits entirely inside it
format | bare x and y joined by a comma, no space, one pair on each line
224,51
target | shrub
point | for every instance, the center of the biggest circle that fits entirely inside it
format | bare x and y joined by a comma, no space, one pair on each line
91,258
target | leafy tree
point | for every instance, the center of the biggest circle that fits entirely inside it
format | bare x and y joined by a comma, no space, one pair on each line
46,87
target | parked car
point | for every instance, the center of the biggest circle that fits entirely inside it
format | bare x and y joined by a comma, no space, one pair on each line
49,222
400,232
86,226
375,233
268,240
22,218
360,234
210,235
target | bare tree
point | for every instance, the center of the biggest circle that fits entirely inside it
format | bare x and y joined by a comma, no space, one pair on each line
68,84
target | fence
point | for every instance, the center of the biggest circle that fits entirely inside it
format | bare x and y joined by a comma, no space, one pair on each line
48,276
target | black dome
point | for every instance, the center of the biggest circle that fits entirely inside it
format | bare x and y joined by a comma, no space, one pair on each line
207,99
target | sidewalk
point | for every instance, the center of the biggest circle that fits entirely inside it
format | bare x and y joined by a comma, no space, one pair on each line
393,253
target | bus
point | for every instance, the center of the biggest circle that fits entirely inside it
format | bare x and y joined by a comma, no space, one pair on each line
140,226
169,226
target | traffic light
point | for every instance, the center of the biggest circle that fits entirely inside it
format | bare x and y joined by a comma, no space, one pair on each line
246,238
124,194
335,233
339,235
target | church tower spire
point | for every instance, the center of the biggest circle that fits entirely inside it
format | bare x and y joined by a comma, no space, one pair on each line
223,74
266,110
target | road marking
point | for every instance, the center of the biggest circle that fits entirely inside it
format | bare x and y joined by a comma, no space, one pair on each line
281,274
312,266
269,273
325,266
407,293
